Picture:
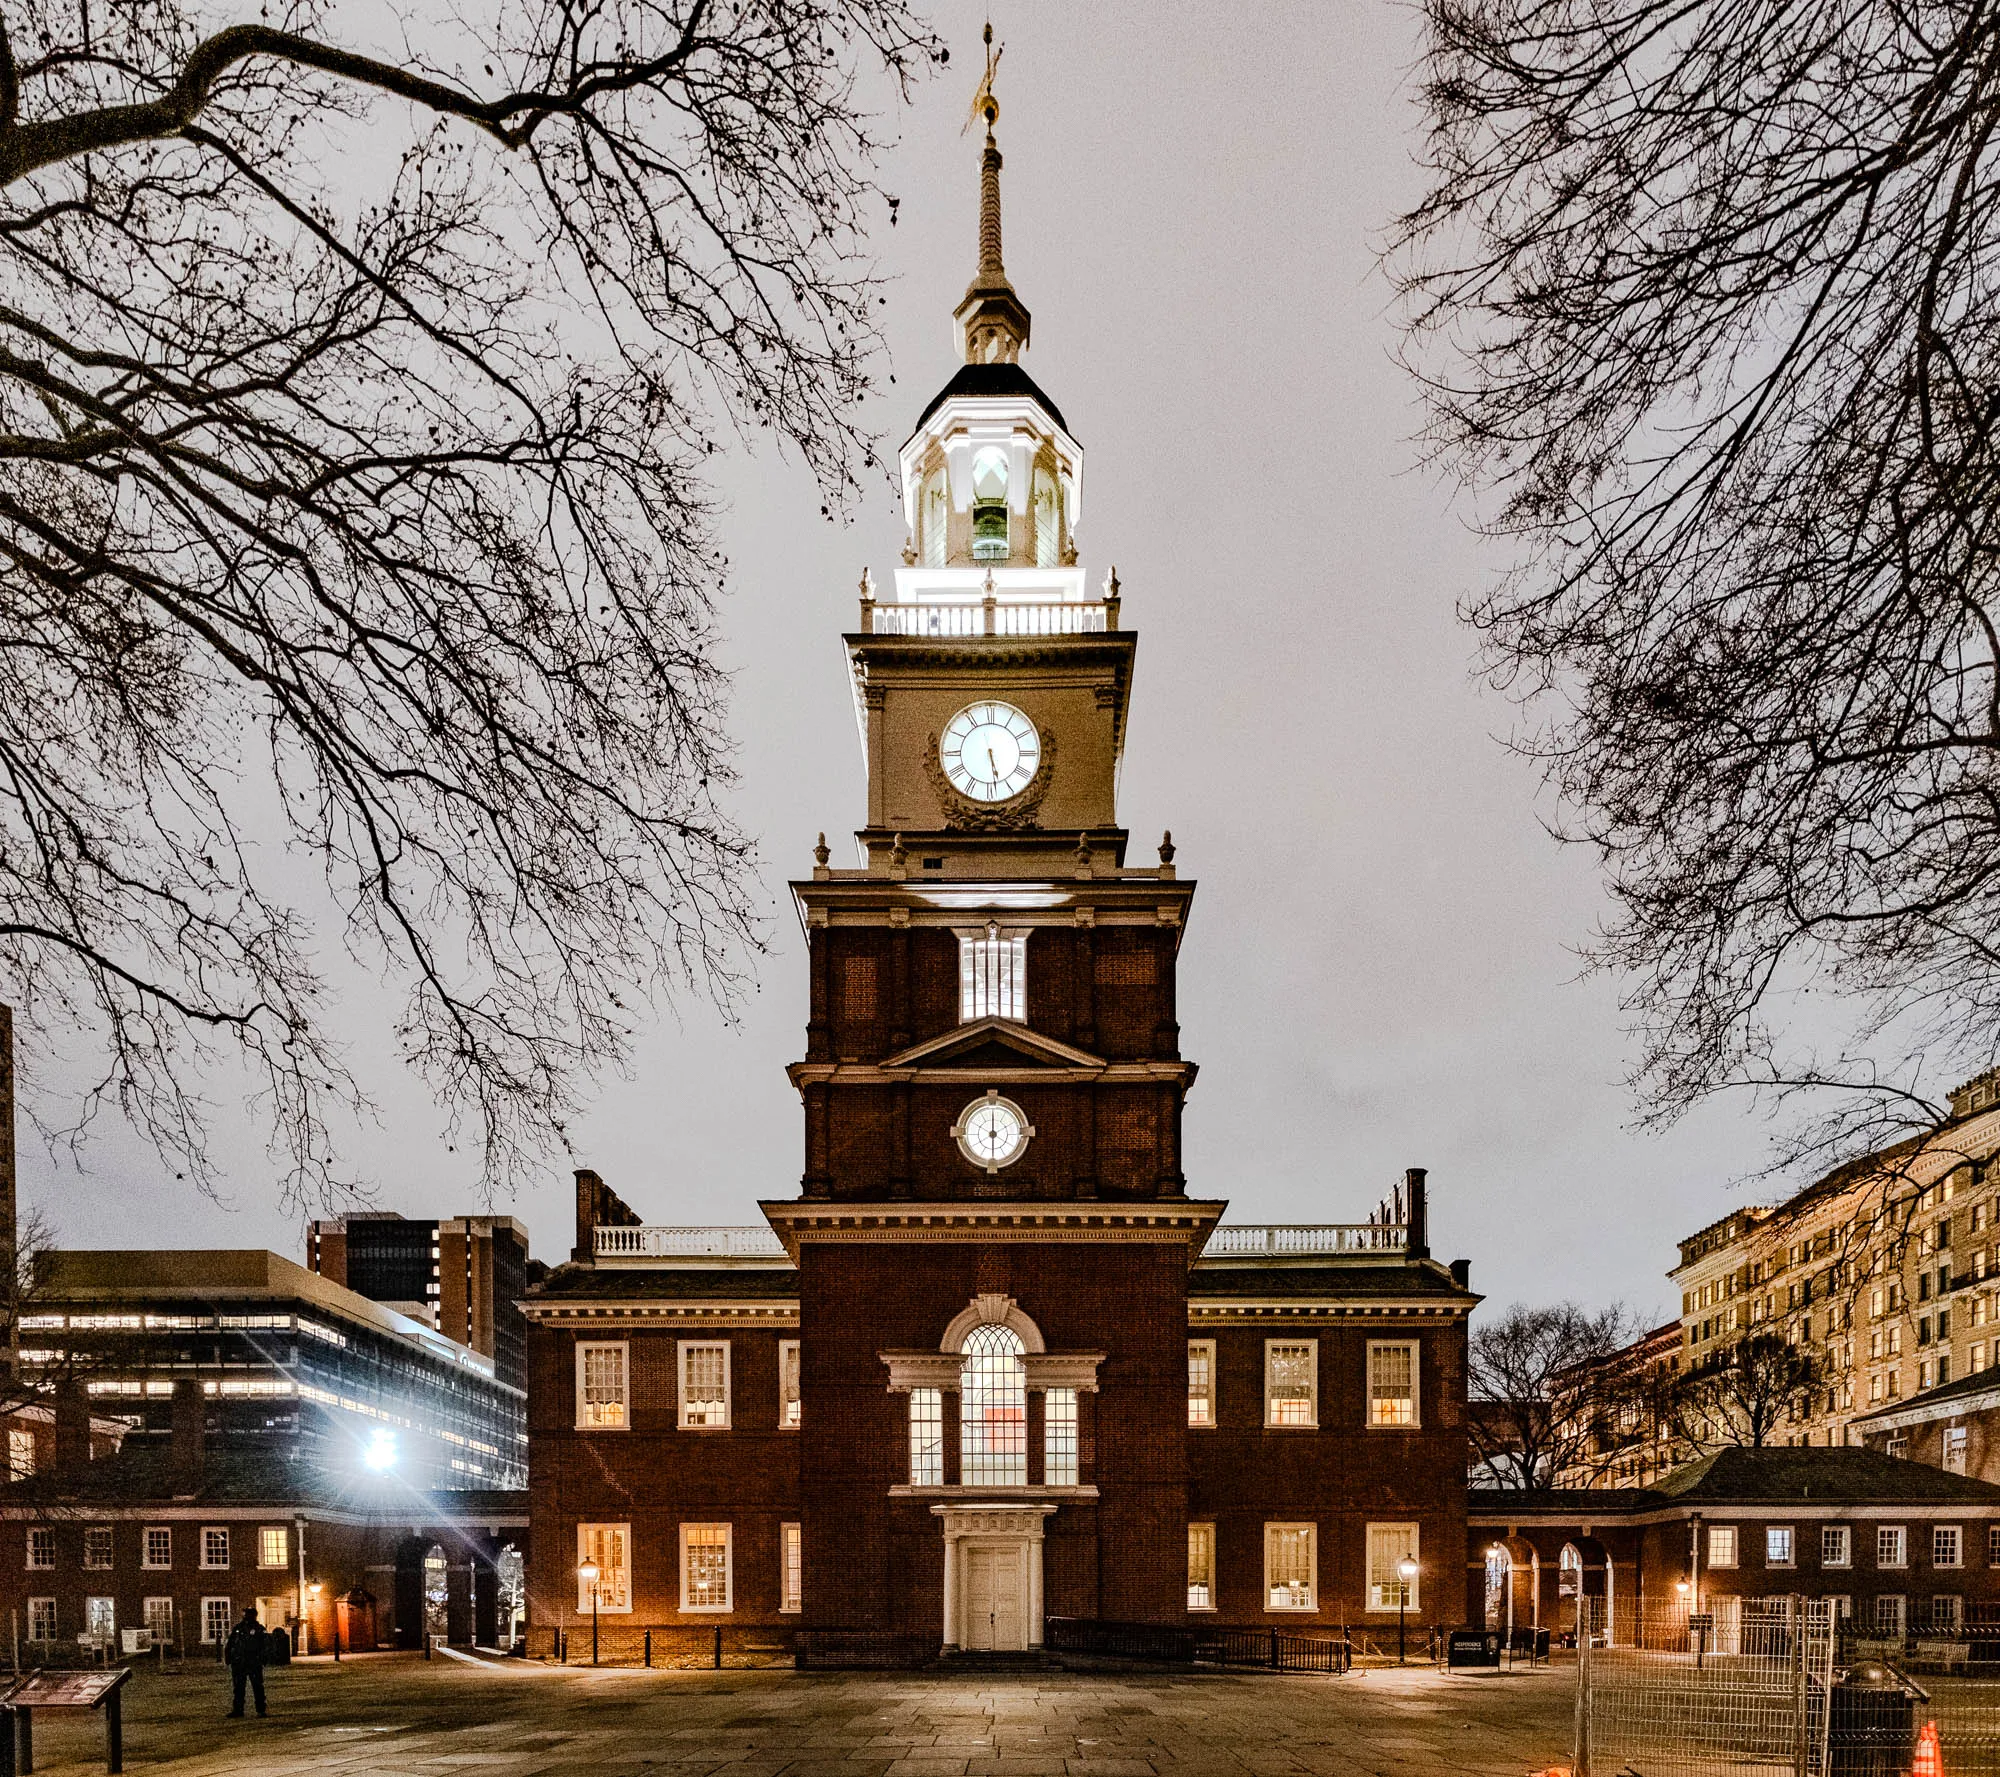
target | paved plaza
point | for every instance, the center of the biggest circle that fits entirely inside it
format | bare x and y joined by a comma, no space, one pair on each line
396,1716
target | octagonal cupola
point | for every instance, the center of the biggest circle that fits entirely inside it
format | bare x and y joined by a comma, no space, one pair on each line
992,479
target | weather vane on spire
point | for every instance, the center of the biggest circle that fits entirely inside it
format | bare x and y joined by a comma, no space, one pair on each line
984,104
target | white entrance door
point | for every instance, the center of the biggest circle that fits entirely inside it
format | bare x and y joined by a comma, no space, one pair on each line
994,1619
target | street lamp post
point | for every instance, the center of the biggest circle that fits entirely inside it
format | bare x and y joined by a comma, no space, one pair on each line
1407,1571
315,1589
587,1572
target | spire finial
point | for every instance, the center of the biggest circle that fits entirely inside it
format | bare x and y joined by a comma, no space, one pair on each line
992,321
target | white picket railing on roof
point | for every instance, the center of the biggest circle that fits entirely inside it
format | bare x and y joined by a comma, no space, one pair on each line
1244,1240
652,1242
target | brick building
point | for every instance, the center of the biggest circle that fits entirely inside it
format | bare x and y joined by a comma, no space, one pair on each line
994,1362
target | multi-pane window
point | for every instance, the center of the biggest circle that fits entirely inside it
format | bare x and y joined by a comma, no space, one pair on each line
788,1384
1947,1613
1722,1545
1778,1545
1954,1449
993,1409
1389,1547
1891,1612
1834,1545
1291,1566
603,1401
97,1545
1891,1546
1993,1545
791,1568
1392,1382
157,1614
1201,1567
41,1546
274,1545
1947,1545
100,1619
1201,1382
993,974
215,1546
20,1455
926,1437
608,1548
705,1567
704,1384
1059,1437
1291,1382
216,1616
41,1619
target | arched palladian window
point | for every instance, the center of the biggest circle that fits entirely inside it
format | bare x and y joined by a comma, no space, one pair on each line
1048,521
993,1409
934,516
989,505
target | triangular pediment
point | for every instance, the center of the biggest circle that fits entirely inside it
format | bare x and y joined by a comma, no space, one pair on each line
989,1043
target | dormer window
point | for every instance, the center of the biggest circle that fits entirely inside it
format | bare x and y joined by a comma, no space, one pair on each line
992,974
989,505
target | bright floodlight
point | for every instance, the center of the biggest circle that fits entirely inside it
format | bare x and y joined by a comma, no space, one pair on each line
380,1450
588,1573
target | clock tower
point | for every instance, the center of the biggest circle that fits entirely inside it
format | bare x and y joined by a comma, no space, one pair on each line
993,1232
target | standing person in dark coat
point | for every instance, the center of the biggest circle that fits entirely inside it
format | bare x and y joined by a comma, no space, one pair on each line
245,1653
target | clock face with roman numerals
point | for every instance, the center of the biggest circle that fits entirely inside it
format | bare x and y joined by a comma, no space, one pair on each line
990,751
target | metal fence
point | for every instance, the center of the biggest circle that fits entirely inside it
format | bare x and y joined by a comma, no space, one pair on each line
1270,1649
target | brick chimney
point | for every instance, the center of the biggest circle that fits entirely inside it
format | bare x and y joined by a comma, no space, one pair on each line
597,1206
190,1436
1417,1208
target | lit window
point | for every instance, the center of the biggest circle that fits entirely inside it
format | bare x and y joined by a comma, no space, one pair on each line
100,1619
157,1549
97,1546
791,1570
1778,1545
989,505
1722,1545
41,1547
705,1567
1891,1550
274,1546
217,1615
992,974
993,1409
1389,1546
926,1437
41,1619
1291,1566
1291,1382
20,1455
602,1401
215,1546
1059,1437
608,1547
1201,1382
704,1385
1392,1382
1947,1545
788,1384
1834,1546
1954,1449
157,1614
1201,1567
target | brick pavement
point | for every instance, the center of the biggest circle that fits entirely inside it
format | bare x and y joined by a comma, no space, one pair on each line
396,1716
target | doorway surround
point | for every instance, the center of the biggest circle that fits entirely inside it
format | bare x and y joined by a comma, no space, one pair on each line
1004,1541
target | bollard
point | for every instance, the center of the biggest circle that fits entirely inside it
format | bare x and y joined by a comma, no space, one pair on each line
718,1648
649,1650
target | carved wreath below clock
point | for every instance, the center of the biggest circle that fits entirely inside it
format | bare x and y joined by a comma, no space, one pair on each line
990,768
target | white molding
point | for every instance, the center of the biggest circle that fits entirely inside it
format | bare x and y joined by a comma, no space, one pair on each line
991,1310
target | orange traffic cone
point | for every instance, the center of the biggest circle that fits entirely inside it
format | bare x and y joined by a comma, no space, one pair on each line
1930,1762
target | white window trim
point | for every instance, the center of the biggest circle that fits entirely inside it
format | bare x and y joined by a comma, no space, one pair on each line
111,1537
790,1347
146,1562
1791,1531
55,1621
28,1562
1948,1566
1415,1541
1212,1606
148,1615
1846,1557
1902,1562
284,1530
624,1348
681,1349
1311,1529
1271,1424
583,1591
1214,1394
790,1536
728,1571
228,1617
1734,1534
1416,1350
208,1530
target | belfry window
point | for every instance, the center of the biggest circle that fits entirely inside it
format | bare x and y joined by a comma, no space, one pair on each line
992,974
989,505
1048,521
932,515
993,1409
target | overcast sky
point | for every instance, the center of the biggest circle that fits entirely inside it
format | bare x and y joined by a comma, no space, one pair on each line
1379,969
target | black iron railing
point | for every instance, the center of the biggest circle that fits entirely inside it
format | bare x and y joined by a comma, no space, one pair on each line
1269,1649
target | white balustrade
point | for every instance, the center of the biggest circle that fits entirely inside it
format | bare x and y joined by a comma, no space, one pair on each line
1301,1239
651,1242
980,618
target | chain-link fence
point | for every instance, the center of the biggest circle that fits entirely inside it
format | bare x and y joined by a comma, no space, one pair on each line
1786,1685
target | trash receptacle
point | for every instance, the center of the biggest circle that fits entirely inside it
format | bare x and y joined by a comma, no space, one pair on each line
1873,1728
